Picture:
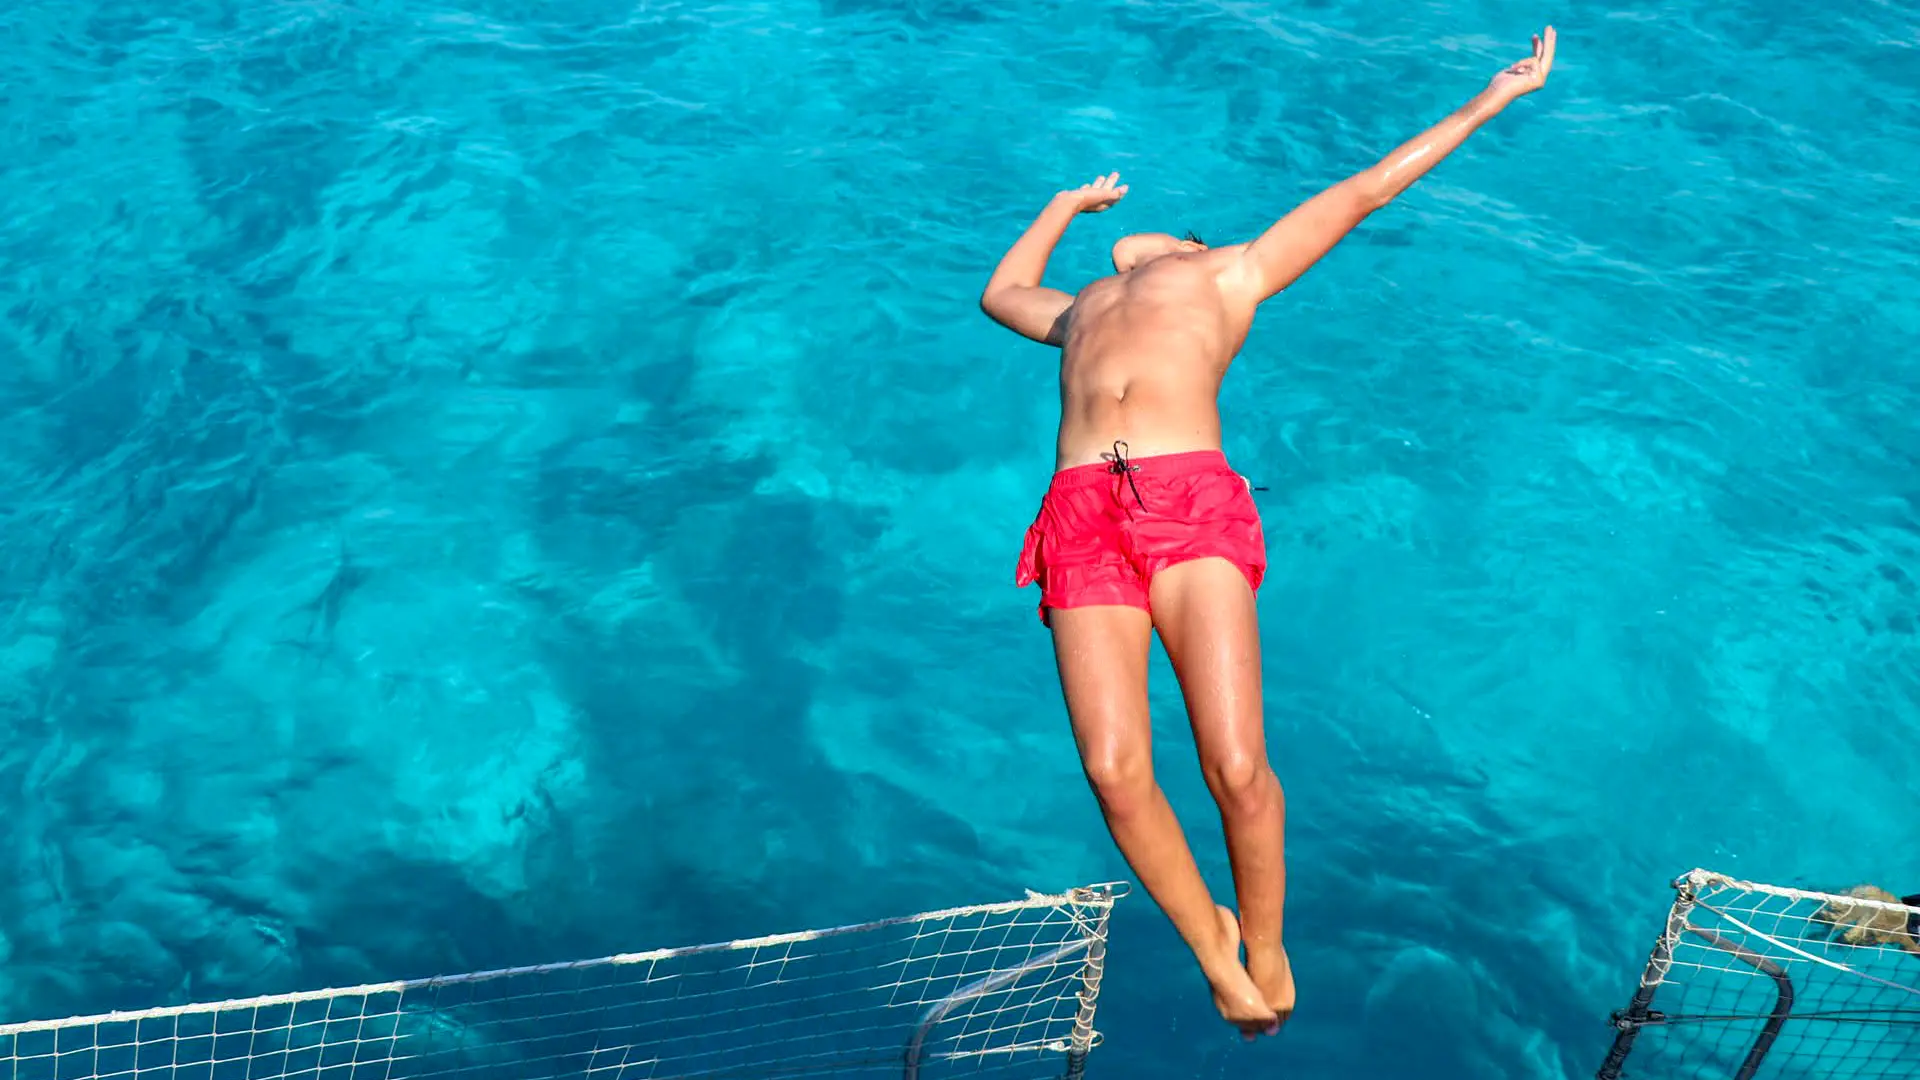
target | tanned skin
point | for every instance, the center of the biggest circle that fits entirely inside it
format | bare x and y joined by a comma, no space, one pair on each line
1143,353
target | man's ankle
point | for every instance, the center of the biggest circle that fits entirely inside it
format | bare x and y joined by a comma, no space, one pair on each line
1214,944
1265,952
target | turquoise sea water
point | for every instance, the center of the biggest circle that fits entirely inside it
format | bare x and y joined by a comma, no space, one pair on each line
506,482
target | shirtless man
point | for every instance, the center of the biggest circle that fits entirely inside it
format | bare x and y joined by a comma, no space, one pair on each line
1145,527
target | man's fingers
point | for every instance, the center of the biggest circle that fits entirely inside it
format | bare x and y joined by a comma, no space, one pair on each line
1106,185
1546,59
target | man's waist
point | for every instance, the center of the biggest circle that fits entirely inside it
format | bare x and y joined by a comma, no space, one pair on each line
1093,443
1121,457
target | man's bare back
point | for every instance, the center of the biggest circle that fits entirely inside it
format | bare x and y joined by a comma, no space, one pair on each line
1146,529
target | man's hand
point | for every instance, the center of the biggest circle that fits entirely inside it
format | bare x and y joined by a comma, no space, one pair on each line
1530,74
1097,196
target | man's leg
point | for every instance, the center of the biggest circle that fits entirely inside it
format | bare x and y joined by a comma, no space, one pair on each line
1204,610
1102,653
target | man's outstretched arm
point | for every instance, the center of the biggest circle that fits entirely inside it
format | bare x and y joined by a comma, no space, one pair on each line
1014,297
1294,243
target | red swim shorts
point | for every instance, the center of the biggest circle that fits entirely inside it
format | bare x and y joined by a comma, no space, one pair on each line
1105,529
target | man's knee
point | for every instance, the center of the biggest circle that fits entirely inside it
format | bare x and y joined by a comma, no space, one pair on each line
1241,783
1121,779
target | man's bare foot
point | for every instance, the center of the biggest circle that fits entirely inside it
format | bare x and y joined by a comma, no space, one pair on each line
1235,993
1273,974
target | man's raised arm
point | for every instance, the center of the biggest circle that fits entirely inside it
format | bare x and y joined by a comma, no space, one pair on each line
1014,297
1294,243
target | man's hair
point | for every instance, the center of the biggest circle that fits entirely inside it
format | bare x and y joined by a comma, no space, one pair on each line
1193,237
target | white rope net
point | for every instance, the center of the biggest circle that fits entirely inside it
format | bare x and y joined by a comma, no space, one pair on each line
1754,980
1003,989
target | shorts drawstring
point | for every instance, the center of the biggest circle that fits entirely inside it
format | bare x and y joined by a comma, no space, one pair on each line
1122,467
1118,465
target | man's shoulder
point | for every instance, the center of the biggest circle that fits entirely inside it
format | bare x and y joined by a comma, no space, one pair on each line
1215,265
1233,278
1217,274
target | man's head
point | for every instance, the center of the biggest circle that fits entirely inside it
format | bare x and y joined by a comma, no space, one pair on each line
1133,252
